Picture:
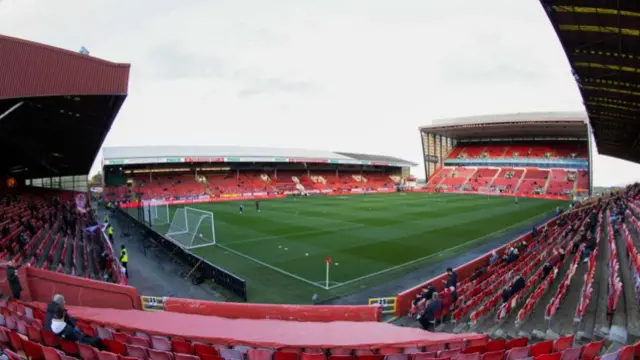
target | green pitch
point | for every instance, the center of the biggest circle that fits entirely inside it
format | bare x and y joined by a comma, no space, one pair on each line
281,251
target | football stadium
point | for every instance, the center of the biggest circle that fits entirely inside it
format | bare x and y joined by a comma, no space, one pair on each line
502,253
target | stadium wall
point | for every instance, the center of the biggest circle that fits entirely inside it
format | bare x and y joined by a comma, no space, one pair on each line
40,285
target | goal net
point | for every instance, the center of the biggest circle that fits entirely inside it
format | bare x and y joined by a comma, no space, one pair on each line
192,228
156,213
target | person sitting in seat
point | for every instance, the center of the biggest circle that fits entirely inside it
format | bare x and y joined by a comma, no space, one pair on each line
518,284
57,303
494,258
452,280
61,328
428,317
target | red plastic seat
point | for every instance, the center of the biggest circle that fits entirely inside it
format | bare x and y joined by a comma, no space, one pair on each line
50,353
496,345
517,353
15,340
11,355
552,356
474,349
516,343
541,348
34,334
369,357
105,355
571,354
428,355
159,355
33,350
87,352
139,352
180,356
50,339
210,357
313,356
591,350
493,355
115,346
563,343
120,336
262,354
285,355
627,353
140,341
434,347
69,347
204,349
341,351
160,343
182,347
342,357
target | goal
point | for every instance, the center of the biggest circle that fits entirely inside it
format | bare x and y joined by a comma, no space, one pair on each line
156,213
192,228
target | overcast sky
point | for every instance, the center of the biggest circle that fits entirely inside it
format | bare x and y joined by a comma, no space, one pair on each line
339,75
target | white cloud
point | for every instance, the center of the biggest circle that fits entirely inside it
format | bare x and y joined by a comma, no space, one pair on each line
339,75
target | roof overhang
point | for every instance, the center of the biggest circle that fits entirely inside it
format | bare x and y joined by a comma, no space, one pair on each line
602,45
137,155
525,125
56,107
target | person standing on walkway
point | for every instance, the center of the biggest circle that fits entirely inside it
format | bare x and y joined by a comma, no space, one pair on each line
110,233
124,260
13,279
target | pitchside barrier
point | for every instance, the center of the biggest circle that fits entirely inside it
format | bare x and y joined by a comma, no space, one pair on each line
202,267
387,305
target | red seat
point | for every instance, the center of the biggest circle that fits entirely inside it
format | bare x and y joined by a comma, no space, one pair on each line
210,357
50,339
516,343
181,346
262,354
474,349
180,356
69,347
449,353
160,343
33,350
105,355
541,348
15,340
591,350
115,346
140,341
50,353
204,349
496,345
139,352
563,343
11,355
494,355
627,353
552,356
517,353
368,357
571,354
34,334
285,355
313,356
87,352
342,357
160,355
120,336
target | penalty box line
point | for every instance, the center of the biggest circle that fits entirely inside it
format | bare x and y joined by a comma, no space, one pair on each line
438,253
271,266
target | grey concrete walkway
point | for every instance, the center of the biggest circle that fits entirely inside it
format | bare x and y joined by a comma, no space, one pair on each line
151,270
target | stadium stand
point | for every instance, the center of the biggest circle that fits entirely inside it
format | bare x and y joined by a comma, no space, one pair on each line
459,158
131,172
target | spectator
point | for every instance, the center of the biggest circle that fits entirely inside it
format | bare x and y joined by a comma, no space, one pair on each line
556,258
493,258
518,284
421,299
61,328
55,304
546,270
478,273
124,260
13,279
434,306
452,280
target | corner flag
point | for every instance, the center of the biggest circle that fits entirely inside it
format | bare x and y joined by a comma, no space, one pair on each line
326,284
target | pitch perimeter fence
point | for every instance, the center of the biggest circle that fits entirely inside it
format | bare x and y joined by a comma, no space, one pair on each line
201,268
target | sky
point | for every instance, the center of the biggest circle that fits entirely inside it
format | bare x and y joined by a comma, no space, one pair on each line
338,75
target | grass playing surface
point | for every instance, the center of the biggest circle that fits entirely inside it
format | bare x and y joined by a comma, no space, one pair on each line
281,251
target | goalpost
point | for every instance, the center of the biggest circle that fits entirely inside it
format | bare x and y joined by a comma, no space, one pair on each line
192,228
156,213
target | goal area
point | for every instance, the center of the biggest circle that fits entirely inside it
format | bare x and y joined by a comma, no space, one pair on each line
155,213
192,228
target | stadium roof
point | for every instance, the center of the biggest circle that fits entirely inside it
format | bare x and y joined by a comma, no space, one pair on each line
56,107
540,124
177,154
602,43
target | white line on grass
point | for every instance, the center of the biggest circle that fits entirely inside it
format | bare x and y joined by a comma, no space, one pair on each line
435,254
270,266
308,232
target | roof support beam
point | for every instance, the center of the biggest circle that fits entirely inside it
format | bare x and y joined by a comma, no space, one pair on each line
11,109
